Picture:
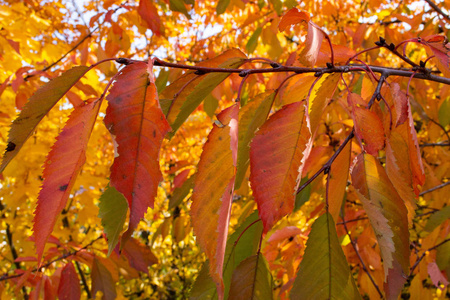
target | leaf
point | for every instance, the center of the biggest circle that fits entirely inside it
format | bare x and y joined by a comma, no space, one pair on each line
292,17
252,280
180,193
324,272
69,284
37,107
149,15
135,118
368,127
213,190
61,169
388,216
253,40
251,117
438,218
277,156
102,281
222,6
440,47
436,275
113,212
338,177
140,256
178,5
204,287
187,92
319,101
400,104
304,195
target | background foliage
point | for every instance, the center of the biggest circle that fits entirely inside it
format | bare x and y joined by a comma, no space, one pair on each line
39,40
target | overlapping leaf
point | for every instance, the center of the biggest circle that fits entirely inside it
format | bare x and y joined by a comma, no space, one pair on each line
149,14
388,215
213,191
102,281
187,92
37,107
61,169
440,47
252,280
277,155
324,272
251,117
135,118
69,284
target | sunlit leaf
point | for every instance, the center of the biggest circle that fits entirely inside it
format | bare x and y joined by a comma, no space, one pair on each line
338,177
37,107
277,155
388,215
324,272
61,168
149,15
113,212
135,118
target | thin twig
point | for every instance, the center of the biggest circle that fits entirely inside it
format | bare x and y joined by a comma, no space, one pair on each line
434,145
425,253
83,280
435,188
438,10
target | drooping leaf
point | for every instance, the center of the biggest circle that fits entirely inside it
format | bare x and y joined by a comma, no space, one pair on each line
135,118
368,127
324,272
292,17
437,218
69,284
102,281
187,92
253,40
436,275
180,193
178,5
140,256
204,287
149,15
388,215
222,6
37,107
61,168
400,104
252,280
251,117
440,47
113,212
304,195
319,100
338,180
213,191
444,112
277,156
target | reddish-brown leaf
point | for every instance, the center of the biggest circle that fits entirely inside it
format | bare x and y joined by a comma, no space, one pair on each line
400,104
61,169
135,118
102,281
440,47
213,191
69,284
368,127
292,17
436,275
140,256
388,215
277,156
149,15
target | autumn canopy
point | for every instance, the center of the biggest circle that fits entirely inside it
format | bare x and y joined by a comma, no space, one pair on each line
230,149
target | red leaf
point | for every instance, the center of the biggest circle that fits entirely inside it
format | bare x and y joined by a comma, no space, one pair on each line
436,275
61,169
400,104
277,156
102,281
213,191
292,17
368,127
140,256
69,284
135,118
149,15
440,47
388,216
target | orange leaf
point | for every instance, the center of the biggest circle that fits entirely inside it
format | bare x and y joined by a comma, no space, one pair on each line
69,284
149,15
292,17
440,47
277,156
368,128
135,118
388,215
400,104
213,191
61,169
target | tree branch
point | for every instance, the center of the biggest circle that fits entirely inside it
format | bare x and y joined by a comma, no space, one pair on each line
435,188
437,9
425,253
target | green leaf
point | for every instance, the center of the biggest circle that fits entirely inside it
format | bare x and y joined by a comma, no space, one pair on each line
252,280
444,113
204,287
113,212
253,41
251,117
180,193
437,219
36,108
162,79
222,6
302,197
277,5
210,105
178,5
324,272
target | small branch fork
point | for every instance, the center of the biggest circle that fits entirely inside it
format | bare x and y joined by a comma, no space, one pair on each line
39,269
424,254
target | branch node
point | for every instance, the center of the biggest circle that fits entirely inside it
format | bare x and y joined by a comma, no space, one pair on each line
244,73
329,65
275,65
123,61
200,72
